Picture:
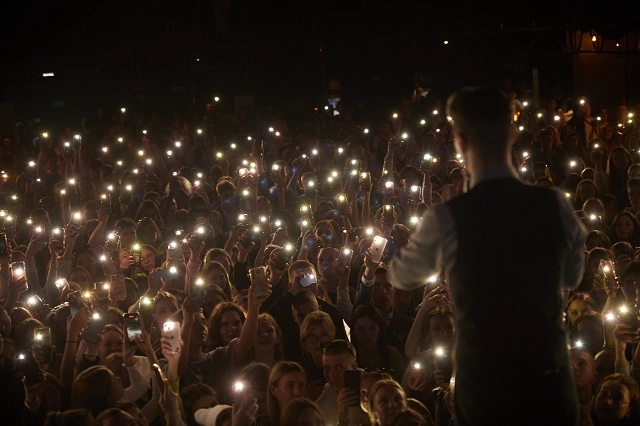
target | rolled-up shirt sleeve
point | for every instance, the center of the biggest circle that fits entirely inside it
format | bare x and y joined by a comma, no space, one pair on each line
575,236
432,245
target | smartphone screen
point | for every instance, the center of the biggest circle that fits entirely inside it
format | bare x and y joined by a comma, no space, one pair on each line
132,325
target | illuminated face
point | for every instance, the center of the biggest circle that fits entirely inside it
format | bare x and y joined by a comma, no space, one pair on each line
327,262
387,402
217,278
163,310
266,337
291,385
584,368
442,330
334,367
147,260
612,402
634,196
624,228
111,343
230,326
312,343
366,332
577,309
382,293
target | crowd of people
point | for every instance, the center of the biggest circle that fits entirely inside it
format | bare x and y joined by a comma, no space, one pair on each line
222,272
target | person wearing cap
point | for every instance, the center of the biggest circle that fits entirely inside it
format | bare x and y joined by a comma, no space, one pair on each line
302,276
509,250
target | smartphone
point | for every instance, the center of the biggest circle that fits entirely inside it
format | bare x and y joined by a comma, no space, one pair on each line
238,392
365,181
75,302
352,381
285,254
29,368
4,250
196,287
377,248
160,378
628,316
259,281
173,251
113,241
117,286
442,359
342,203
306,280
35,303
96,323
132,324
17,270
145,309
105,201
101,290
42,338
171,331
245,203
387,214
345,256
136,252
201,234
415,195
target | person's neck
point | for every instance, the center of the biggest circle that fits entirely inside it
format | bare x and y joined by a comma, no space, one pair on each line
317,359
478,166
195,352
585,395
385,310
265,358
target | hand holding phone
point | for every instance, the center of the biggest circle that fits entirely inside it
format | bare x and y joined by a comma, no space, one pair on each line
259,282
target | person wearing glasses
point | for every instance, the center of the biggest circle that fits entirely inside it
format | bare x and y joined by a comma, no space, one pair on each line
617,402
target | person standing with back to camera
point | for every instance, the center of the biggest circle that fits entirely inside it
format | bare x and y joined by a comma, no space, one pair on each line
509,250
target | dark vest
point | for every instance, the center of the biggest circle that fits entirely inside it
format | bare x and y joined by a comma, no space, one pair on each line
506,281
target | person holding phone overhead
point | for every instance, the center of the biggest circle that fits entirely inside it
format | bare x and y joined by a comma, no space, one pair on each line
509,297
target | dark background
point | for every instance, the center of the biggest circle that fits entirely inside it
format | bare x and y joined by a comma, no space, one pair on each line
171,55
